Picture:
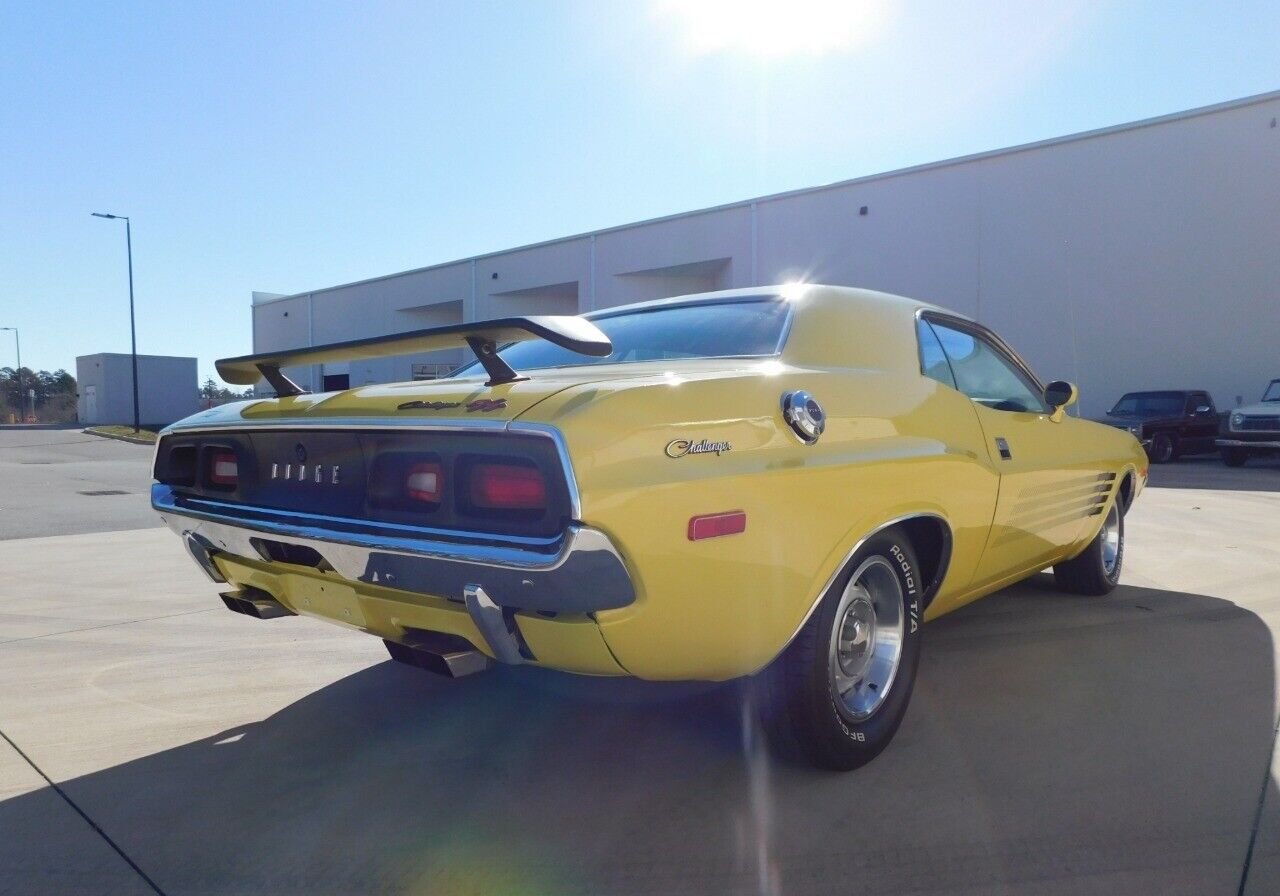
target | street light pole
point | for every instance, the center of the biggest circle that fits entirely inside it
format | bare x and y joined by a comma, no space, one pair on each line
17,374
133,331
17,346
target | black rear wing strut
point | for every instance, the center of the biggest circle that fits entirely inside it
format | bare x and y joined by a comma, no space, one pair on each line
483,337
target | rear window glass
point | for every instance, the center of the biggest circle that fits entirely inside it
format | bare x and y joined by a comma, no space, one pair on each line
720,330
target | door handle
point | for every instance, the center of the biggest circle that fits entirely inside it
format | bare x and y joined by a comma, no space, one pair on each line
1003,447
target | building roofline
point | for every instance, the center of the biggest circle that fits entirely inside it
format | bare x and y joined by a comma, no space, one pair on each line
140,356
1196,112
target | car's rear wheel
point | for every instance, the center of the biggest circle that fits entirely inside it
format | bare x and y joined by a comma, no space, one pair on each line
839,692
1164,448
1097,569
1234,457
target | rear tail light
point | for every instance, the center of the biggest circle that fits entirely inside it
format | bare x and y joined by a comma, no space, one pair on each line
507,487
424,482
177,466
223,469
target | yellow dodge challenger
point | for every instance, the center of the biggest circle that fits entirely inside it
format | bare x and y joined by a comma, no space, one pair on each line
782,483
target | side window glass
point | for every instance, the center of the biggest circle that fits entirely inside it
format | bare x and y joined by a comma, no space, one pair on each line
983,373
933,361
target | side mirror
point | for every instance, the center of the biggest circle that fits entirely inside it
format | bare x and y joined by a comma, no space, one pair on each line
1060,395
1204,409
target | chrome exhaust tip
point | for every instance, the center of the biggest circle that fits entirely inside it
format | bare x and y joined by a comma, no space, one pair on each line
447,655
255,603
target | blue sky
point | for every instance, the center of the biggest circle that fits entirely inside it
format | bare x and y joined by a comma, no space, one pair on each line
283,147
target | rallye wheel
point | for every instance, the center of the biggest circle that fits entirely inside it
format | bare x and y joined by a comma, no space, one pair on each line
1164,448
839,691
1097,569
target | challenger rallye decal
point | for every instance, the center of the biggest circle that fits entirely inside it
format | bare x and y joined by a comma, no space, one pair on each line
480,404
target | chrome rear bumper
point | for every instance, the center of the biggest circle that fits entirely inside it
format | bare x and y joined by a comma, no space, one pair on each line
579,571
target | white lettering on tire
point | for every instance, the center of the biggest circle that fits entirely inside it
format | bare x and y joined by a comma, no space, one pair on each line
908,575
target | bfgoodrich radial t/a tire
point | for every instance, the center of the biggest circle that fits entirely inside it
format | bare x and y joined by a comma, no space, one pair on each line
1097,570
839,692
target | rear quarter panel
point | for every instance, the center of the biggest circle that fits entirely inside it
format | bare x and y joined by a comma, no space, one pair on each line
724,607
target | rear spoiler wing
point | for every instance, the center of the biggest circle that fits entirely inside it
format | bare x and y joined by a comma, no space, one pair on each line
577,334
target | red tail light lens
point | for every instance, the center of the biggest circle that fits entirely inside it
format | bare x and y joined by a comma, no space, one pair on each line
507,487
424,482
223,470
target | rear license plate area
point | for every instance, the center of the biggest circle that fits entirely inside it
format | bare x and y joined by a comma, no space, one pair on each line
330,601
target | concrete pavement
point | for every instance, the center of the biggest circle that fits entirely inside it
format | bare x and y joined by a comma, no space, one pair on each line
1054,744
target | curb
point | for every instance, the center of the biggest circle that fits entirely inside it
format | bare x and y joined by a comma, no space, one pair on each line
108,435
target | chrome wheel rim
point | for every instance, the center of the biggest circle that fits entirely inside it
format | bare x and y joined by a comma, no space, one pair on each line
866,640
1111,539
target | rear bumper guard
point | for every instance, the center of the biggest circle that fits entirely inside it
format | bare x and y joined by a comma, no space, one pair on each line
580,571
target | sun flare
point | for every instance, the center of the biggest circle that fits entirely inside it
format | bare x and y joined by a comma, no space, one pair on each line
768,28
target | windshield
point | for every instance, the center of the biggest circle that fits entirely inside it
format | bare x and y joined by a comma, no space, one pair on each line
1273,391
1149,404
749,327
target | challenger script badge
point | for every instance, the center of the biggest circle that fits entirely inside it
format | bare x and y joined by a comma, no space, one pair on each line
681,447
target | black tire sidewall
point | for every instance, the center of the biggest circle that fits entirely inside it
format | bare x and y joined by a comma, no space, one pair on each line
845,742
1086,573
1234,457
1163,457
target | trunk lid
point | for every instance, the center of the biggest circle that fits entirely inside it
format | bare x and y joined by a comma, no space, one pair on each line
467,397
453,399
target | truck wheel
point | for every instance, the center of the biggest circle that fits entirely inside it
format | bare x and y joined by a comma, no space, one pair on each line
1164,448
1234,457
838,693
1097,569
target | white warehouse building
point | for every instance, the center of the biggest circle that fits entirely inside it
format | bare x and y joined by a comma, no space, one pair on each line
167,389
1141,256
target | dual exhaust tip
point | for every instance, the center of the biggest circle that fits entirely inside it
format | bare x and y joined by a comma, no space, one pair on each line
450,655
256,603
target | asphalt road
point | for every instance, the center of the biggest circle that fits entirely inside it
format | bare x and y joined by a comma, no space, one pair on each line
1054,745
63,481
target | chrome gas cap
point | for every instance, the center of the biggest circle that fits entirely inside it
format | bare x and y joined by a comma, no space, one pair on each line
805,416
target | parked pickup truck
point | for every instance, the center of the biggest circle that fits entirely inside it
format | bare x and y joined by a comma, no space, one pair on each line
1253,430
1168,423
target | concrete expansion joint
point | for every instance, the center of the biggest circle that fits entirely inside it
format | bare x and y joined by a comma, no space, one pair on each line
84,815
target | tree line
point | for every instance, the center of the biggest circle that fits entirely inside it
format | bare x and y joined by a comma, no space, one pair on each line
55,394
212,390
